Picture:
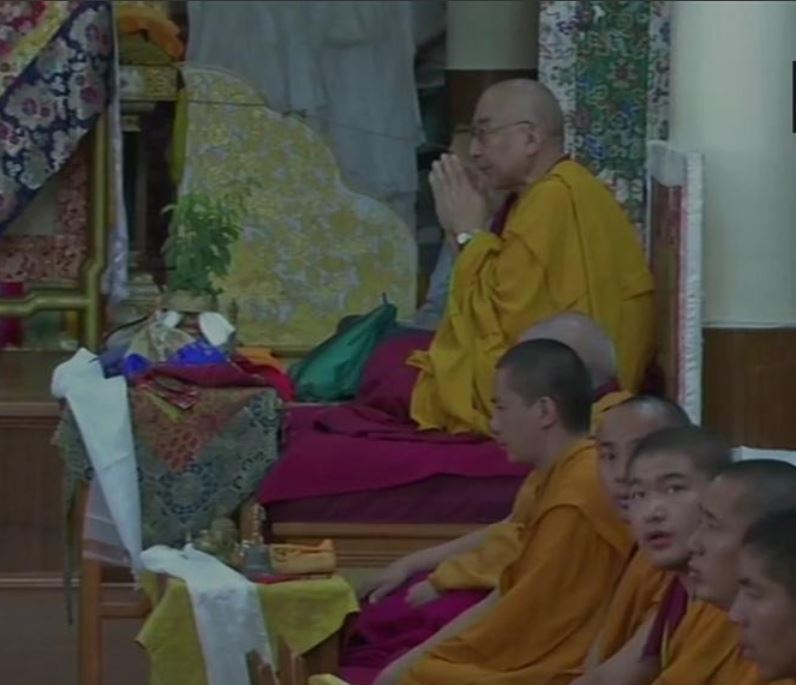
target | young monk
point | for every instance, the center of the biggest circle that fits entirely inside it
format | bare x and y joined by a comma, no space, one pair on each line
407,603
739,496
667,474
641,587
542,618
765,606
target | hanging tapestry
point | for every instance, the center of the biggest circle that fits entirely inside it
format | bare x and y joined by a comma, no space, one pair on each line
55,97
311,251
608,64
46,245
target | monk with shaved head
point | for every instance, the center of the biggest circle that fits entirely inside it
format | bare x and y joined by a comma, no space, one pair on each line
418,594
564,245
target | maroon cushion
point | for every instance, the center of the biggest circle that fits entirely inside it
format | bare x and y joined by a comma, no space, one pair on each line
387,380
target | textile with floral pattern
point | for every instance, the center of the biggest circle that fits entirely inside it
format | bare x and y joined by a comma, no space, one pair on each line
608,64
211,477
53,258
53,101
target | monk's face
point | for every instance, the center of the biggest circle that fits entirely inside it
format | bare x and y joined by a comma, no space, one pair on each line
766,614
503,142
516,424
665,489
716,543
620,430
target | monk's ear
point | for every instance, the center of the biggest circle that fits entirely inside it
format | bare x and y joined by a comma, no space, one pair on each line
533,138
548,412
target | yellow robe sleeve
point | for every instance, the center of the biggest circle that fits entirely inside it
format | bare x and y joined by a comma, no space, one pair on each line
500,287
705,649
637,596
552,603
480,568
567,246
483,566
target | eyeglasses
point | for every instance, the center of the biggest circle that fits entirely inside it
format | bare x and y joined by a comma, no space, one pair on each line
481,133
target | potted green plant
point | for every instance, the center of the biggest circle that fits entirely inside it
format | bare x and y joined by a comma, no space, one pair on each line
197,251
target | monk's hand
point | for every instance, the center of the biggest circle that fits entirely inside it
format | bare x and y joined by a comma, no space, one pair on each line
421,593
460,207
381,584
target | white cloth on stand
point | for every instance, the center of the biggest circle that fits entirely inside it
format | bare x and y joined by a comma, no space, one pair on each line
226,609
101,410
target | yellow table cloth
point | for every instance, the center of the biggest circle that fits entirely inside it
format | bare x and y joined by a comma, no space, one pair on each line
302,613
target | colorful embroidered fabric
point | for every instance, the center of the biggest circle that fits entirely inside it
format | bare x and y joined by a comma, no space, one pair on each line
187,482
52,255
608,64
53,102
25,28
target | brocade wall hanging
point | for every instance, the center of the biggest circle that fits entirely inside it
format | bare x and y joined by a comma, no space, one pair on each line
608,64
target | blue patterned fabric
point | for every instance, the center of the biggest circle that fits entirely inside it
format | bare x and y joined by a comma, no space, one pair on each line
53,103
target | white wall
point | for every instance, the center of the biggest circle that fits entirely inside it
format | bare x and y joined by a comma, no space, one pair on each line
492,34
731,99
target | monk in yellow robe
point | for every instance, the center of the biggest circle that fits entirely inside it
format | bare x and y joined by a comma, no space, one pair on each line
742,494
464,570
765,606
685,641
542,416
477,560
642,585
566,246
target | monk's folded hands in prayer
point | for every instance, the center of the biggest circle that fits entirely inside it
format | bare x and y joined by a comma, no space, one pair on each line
461,208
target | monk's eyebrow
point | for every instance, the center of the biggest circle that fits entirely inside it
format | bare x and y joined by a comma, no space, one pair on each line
707,513
672,477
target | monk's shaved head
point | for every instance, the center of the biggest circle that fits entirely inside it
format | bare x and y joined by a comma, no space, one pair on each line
517,134
741,494
524,99
707,452
589,341
765,606
763,486
548,368
669,413
772,540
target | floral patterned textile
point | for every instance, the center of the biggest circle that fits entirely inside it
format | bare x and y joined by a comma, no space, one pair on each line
25,28
608,63
52,259
52,103
176,441
184,496
311,250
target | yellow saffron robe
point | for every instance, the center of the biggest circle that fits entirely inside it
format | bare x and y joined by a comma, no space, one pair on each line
553,594
481,567
635,600
704,648
567,246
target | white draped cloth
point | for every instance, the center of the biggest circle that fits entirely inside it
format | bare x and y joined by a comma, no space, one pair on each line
347,66
226,605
